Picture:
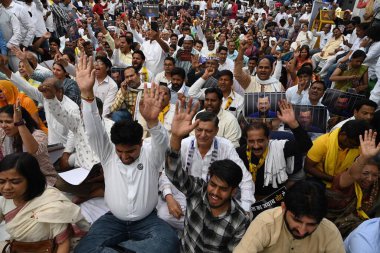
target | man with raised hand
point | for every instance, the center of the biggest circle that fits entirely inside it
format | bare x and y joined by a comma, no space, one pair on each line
131,170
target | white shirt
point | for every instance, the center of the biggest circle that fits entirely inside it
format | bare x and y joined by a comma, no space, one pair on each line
373,54
323,37
57,132
161,78
200,167
77,140
10,27
26,22
36,8
227,65
112,7
236,107
280,16
106,91
293,97
154,56
131,191
306,16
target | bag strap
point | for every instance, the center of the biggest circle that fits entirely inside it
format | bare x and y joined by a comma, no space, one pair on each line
8,245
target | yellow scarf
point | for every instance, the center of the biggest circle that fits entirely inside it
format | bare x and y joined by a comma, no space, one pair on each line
331,160
253,168
229,102
359,197
144,74
162,113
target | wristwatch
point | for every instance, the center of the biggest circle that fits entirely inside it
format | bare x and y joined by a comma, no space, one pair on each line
20,123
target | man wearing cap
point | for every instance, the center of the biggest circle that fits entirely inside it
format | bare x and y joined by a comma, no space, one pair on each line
184,55
212,63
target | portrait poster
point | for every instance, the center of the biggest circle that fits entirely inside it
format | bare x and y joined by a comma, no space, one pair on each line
212,13
262,105
311,118
341,103
150,10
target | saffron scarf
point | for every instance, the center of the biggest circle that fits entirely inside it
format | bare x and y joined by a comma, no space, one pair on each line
359,197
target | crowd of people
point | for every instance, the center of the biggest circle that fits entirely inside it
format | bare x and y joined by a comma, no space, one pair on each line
201,126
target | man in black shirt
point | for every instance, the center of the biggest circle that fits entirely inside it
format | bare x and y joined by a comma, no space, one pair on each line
268,160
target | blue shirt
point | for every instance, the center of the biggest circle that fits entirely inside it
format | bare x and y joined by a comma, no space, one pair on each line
365,238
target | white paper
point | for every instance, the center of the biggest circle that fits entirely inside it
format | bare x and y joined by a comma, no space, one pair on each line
75,176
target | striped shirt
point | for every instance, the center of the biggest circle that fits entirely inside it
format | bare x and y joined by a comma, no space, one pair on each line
203,232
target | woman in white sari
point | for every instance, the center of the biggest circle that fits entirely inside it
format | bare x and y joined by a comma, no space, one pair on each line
34,212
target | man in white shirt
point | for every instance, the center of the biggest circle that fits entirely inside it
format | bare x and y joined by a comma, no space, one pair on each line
26,21
36,8
164,77
281,15
10,27
105,87
155,50
228,125
312,97
304,75
224,62
130,166
305,18
232,101
198,152
324,36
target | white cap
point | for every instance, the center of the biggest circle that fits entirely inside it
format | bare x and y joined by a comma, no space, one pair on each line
188,37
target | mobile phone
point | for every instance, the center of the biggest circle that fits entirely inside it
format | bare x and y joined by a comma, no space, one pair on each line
154,26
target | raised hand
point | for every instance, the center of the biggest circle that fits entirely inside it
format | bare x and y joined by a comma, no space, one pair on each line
85,76
243,45
17,113
150,105
20,54
368,147
182,123
286,114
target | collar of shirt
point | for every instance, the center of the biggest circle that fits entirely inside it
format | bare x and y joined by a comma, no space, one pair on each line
105,81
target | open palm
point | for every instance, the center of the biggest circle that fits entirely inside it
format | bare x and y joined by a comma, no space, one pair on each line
286,114
150,105
368,146
85,74
182,122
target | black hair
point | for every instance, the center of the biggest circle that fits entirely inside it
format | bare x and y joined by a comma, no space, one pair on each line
173,46
131,67
322,82
126,132
363,26
55,40
106,62
374,33
206,116
226,72
198,42
29,121
216,90
356,20
140,53
228,171
169,58
305,71
366,102
307,48
358,54
221,48
128,39
306,198
26,165
253,58
179,72
257,126
354,128
174,35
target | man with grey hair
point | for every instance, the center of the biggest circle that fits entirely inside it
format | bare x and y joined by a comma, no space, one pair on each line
57,132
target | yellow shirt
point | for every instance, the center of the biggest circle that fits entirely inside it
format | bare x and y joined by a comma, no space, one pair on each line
318,153
269,234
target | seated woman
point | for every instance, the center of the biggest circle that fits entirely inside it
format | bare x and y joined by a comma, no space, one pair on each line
34,212
300,57
354,192
20,133
8,96
351,75
285,52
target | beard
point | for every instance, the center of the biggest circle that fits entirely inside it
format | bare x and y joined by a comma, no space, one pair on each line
294,231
